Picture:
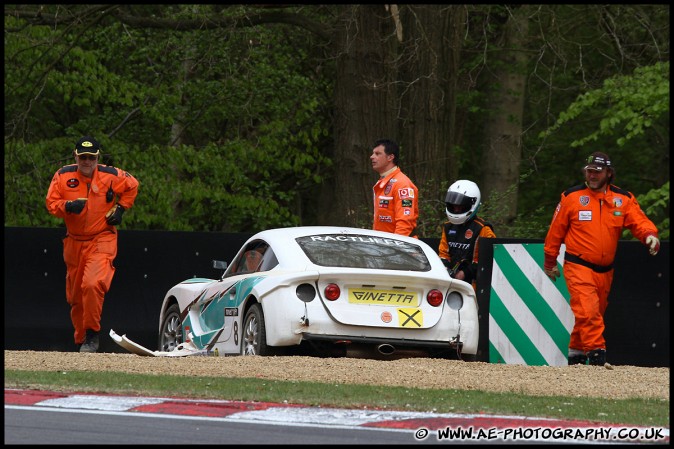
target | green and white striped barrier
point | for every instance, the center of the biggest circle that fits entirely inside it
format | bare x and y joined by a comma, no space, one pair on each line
530,320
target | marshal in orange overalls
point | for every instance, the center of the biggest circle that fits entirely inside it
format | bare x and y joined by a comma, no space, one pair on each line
396,204
90,245
590,223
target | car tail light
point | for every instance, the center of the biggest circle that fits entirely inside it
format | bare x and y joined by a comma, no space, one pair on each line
434,297
332,292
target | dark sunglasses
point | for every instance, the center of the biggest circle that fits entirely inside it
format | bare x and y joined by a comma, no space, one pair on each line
87,157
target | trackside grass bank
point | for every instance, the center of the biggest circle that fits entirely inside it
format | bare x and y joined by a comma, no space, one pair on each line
633,411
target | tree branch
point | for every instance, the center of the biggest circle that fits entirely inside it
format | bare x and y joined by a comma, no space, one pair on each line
40,17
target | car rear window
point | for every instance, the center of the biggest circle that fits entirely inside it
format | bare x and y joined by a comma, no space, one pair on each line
363,251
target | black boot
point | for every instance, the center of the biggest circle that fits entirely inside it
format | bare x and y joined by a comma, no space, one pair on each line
597,357
580,359
91,342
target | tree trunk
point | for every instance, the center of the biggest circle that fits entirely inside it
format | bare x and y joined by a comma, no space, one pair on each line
501,160
396,78
363,112
427,95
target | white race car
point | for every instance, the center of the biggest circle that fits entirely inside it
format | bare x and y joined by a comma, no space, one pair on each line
329,288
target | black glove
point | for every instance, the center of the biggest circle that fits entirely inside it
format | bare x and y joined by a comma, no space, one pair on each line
75,206
114,215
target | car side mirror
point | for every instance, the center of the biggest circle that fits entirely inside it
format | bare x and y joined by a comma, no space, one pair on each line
220,265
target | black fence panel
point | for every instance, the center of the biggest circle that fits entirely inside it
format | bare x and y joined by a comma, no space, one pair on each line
148,263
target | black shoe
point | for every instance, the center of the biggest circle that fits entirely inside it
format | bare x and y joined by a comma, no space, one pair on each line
597,357
580,359
91,342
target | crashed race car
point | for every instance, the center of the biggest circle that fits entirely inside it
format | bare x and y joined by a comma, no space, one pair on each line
324,288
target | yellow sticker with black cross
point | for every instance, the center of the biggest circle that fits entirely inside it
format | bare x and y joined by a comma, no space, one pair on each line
410,318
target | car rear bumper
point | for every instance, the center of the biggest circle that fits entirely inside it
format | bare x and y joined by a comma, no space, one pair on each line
376,341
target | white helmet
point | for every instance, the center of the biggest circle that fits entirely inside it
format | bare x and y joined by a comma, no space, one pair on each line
462,201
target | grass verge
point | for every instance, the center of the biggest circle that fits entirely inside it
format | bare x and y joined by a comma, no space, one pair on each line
643,412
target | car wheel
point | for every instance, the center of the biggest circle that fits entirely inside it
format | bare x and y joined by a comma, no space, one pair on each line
254,339
171,329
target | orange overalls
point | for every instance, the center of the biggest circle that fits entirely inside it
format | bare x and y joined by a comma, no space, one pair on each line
90,245
396,204
590,224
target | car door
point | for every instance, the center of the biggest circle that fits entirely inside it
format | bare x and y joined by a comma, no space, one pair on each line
244,272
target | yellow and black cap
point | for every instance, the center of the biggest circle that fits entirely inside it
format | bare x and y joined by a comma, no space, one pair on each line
87,145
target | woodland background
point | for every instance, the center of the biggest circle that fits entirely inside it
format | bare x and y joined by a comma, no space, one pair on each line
237,118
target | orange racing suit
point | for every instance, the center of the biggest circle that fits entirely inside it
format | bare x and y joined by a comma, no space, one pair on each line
396,204
590,224
90,245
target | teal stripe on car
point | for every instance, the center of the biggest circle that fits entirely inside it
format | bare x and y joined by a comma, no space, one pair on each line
212,313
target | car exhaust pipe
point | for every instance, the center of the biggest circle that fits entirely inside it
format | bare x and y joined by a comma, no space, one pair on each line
386,349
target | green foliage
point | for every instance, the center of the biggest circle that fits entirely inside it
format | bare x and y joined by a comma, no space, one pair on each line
627,105
72,82
655,205
28,172
575,57
223,128
228,129
626,109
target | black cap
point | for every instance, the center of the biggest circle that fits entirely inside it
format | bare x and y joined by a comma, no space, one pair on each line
87,145
598,161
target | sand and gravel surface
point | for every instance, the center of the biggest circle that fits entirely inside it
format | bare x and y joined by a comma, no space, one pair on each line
620,382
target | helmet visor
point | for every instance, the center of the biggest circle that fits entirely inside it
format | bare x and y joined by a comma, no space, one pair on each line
458,203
